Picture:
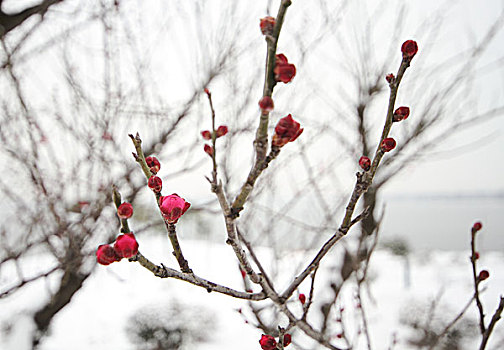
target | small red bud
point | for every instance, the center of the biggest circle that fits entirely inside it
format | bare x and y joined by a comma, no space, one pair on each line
249,291
267,25
207,91
153,164
266,104
125,210
339,335
477,226
483,275
409,49
365,163
208,150
267,342
207,135
126,245
155,184
287,339
221,131
173,207
388,144
302,298
106,255
286,130
400,113
390,78
476,255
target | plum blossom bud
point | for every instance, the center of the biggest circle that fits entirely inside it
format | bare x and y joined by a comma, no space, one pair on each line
173,207
287,339
126,245
267,342
302,298
388,144
477,226
207,135
125,210
390,78
476,255
153,164
287,130
483,275
221,131
400,113
284,71
106,255
155,184
208,150
267,25
266,104
365,163
409,49
207,91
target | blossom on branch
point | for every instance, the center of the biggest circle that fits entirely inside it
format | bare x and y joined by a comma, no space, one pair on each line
388,144
208,150
155,184
173,207
284,71
401,113
106,255
267,25
267,342
287,130
125,210
207,135
153,164
365,163
483,275
221,131
126,245
409,49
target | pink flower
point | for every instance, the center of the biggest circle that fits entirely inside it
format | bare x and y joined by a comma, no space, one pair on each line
267,25
400,113
287,130
284,71
207,135
125,210
302,298
483,275
409,49
208,150
153,164
267,342
388,144
126,245
155,183
365,163
287,339
266,104
221,131
106,255
173,207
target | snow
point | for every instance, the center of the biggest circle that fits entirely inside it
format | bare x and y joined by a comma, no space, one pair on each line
98,313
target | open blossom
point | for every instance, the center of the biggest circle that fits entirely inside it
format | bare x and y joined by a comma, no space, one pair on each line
173,207
155,184
106,255
287,130
284,71
266,104
125,210
388,144
126,245
267,342
409,49
400,113
267,25
153,164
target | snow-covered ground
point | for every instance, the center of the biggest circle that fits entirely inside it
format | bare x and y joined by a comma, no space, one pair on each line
97,315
